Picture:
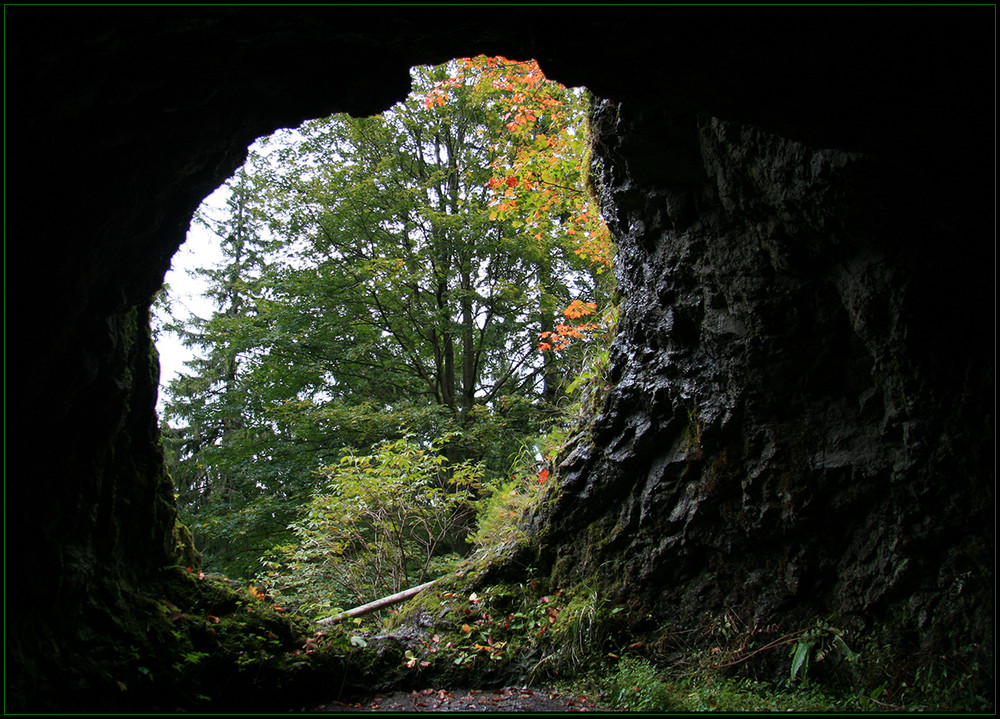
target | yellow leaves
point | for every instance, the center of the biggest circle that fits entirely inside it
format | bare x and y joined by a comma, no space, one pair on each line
493,649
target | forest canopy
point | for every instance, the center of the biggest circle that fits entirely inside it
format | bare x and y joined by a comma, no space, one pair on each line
403,304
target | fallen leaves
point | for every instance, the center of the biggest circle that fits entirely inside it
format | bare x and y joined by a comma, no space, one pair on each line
507,699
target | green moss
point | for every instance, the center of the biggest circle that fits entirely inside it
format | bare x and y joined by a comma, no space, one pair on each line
186,555
191,642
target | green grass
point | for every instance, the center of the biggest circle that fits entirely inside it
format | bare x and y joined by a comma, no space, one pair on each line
634,684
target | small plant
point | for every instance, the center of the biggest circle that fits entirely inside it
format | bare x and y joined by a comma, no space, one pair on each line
815,644
382,524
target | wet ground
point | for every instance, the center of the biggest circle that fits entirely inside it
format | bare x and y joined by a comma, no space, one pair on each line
508,699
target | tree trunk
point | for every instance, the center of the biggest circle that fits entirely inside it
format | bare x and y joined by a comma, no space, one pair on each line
378,604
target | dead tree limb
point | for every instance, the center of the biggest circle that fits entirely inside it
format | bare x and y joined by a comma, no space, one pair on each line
377,604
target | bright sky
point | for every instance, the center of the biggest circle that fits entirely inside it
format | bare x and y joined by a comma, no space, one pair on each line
200,249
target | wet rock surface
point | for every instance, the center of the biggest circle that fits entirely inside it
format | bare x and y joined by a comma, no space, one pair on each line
781,438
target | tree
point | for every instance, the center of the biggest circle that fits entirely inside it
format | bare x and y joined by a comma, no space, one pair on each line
542,183
378,285
205,419
407,274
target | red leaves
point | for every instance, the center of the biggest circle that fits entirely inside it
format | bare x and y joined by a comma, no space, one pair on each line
543,475
434,99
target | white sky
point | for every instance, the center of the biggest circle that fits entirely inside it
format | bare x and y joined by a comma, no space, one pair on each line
200,249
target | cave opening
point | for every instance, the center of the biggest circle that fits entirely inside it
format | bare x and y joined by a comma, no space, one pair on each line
335,250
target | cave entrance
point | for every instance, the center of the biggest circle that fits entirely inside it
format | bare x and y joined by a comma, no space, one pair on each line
393,318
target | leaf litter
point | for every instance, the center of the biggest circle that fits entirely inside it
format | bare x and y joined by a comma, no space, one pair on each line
507,699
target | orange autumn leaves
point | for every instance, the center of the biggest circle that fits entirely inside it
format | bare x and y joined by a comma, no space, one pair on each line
540,183
566,333
540,177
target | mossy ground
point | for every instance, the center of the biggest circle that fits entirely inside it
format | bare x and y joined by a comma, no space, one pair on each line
193,642
469,633
199,643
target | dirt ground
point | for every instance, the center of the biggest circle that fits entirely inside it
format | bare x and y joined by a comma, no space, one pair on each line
508,699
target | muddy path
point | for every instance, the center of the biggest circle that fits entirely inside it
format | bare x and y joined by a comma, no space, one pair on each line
507,699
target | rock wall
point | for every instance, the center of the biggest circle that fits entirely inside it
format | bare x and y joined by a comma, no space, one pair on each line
802,410
797,428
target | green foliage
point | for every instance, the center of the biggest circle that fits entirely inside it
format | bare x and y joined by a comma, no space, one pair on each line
382,522
380,281
815,644
404,286
510,500
636,684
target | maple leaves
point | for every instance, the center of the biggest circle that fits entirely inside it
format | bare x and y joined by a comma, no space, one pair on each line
540,177
560,338
542,150
579,309
540,181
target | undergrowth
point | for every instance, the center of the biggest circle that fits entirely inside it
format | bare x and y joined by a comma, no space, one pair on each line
634,684
638,683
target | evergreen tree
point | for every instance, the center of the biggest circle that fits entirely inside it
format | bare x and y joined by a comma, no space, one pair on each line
383,277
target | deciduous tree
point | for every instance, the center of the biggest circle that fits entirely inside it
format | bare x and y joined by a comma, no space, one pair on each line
388,276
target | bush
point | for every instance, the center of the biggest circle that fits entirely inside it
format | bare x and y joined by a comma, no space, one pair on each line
383,523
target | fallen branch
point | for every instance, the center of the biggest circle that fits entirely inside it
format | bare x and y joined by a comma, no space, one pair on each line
377,604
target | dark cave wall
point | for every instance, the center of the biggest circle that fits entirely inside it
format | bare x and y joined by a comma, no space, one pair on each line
804,348
802,416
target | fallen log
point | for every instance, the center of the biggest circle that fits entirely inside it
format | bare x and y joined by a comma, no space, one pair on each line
377,604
